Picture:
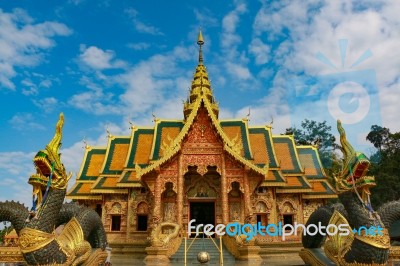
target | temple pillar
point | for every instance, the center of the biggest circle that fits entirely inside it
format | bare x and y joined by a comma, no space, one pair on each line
224,194
300,213
157,201
247,208
179,196
129,215
274,210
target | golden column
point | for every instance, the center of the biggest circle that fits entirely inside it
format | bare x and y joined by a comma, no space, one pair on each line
247,209
129,214
224,193
179,197
157,198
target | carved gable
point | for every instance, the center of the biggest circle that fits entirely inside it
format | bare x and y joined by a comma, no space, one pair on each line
202,133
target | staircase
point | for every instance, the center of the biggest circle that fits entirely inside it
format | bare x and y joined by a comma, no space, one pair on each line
198,245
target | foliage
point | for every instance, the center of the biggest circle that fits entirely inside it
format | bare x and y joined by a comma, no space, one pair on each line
378,136
5,231
319,134
385,165
314,133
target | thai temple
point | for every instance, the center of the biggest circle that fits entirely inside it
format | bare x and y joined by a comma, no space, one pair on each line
149,185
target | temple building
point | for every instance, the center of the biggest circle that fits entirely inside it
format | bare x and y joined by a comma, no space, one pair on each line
215,171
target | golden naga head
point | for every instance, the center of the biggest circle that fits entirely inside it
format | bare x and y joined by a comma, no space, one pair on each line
355,167
48,166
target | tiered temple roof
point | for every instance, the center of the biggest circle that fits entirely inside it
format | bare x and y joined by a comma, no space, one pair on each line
119,166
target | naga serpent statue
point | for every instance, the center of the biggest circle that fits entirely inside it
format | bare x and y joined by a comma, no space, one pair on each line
82,240
360,247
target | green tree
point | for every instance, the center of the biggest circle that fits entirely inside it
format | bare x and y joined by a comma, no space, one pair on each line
319,133
385,165
5,231
378,136
316,133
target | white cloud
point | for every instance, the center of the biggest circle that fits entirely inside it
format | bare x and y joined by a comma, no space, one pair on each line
15,170
30,88
72,157
239,71
236,62
144,86
301,30
47,104
140,46
25,121
23,42
147,82
139,25
205,17
75,2
95,101
260,51
17,163
33,82
99,59
389,98
46,83
230,38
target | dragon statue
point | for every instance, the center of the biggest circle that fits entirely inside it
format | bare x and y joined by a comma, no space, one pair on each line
361,246
81,242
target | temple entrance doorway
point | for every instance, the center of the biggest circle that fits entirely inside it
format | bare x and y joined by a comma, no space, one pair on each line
203,213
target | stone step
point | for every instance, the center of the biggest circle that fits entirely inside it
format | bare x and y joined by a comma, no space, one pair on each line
202,245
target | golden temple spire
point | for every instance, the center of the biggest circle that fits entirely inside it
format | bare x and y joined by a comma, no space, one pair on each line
201,86
200,42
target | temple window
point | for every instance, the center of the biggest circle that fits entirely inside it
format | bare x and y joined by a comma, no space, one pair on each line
142,222
142,215
288,219
262,190
116,223
262,219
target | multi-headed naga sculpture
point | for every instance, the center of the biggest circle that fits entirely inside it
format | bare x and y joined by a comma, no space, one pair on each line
358,248
82,240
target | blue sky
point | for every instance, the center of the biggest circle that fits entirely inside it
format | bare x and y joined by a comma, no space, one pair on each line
105,63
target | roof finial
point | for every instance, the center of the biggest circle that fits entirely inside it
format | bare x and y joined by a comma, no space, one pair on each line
108,133
200,42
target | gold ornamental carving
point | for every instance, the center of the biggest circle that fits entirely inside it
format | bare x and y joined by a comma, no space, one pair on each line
286,202
170,169
32,239
164,233
236,184
169,181
142,208
202,162
166,145
337,246
232,164
379,241
116,207
202,129
309,208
